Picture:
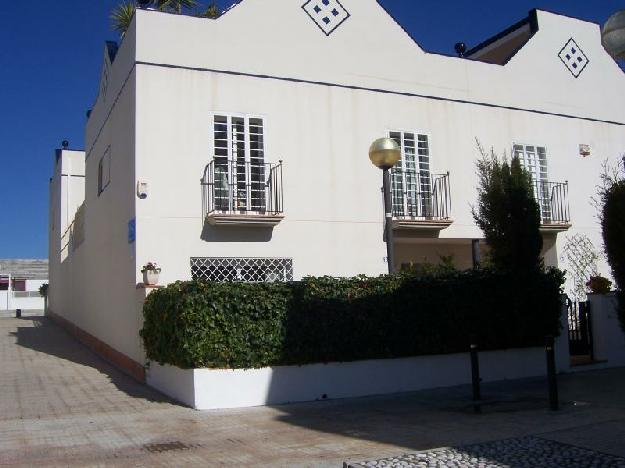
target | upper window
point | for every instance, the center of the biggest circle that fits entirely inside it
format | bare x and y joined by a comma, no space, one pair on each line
104,171
240,169
411,177
534,160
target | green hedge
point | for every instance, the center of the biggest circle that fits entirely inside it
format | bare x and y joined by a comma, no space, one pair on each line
235,325
613,230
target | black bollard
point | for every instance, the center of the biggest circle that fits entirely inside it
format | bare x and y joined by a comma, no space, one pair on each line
551,373
475,375
18,313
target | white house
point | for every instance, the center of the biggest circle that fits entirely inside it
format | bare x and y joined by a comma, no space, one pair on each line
236,148
20,280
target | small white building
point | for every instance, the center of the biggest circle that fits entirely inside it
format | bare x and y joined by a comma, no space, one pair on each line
236,148
20,280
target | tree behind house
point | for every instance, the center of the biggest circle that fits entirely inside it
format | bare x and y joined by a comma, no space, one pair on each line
122,15
612,216
508,213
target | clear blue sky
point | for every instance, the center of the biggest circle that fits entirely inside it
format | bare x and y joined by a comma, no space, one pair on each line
50,59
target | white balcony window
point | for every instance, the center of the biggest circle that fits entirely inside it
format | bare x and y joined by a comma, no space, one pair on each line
552,197
239,155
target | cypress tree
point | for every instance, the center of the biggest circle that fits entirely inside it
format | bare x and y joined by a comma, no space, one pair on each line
508,214
613,232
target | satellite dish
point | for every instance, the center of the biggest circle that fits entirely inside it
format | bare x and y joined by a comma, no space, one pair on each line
613,35
65,144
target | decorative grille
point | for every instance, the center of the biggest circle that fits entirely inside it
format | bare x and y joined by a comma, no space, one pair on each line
327,14
573,58
246,270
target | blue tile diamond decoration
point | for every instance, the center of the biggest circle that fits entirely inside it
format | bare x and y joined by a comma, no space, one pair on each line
327,14
574,58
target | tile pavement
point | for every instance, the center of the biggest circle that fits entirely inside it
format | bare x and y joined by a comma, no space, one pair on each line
522,452
60,405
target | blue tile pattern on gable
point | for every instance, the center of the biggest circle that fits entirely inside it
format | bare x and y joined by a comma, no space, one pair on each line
573,58
327,14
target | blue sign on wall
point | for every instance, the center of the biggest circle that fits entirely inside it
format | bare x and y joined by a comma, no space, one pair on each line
132,230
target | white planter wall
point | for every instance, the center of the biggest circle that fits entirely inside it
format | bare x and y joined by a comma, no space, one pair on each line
206,389
608,336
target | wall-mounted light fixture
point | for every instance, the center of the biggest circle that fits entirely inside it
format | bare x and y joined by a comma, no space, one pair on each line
142,190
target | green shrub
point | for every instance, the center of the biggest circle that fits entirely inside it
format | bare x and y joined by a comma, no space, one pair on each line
235,325
613,230
508,213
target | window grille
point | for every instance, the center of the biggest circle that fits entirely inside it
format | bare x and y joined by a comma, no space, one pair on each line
246,270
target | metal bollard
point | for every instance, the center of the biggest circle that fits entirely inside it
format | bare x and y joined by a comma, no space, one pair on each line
18,313
551,373
475,375
475,372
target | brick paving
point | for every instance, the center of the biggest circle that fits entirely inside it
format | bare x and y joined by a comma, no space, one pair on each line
60,405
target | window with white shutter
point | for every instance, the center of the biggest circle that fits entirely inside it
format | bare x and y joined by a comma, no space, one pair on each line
411,177
239,153
534,160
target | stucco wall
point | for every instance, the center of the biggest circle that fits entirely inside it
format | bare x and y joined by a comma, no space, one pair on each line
321,128
323,100
67,192
226,388
97,287
332,198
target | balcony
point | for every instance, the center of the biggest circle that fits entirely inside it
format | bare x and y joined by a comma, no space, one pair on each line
553,200
420,202
242,193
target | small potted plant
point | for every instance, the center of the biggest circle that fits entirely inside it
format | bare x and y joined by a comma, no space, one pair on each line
150,273
599,285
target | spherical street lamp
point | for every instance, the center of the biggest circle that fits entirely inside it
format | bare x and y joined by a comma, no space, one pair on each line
384,153
613,35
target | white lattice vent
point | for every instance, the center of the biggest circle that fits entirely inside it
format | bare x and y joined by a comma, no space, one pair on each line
246,270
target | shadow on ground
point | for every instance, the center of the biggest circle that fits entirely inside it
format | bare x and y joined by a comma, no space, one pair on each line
44,336
431,419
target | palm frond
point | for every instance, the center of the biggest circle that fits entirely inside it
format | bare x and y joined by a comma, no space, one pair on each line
176,6
121,17
212,11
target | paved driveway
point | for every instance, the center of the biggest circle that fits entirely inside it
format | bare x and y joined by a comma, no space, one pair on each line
60,405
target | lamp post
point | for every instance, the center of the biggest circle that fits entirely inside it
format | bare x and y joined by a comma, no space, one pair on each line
613,35
384,154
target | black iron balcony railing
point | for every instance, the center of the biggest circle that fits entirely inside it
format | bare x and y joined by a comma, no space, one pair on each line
242,187
553,200
420,197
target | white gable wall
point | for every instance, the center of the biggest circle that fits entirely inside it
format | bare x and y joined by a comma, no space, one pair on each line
286,70
98,292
